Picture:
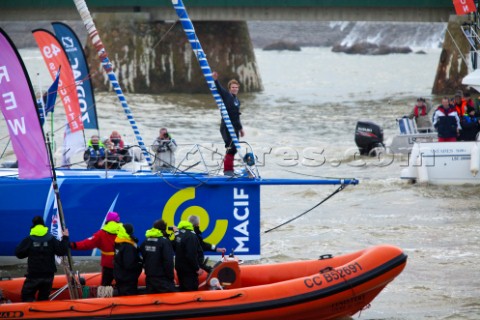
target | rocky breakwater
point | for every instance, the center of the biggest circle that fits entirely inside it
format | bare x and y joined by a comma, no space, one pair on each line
155,56
368,48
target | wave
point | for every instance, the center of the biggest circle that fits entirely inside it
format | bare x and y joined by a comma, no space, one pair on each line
327,34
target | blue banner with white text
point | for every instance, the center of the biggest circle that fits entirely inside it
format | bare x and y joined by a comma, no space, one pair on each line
76,57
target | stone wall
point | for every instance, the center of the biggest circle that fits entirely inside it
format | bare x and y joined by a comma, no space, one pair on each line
156,57
452,67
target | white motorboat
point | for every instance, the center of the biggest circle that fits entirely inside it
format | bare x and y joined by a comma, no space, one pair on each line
444,163
408,134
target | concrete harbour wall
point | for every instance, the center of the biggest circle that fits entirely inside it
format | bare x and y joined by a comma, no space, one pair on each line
155,56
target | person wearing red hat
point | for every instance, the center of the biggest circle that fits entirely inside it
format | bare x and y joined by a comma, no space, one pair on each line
103,239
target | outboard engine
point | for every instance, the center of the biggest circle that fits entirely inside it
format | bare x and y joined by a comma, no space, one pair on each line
368,137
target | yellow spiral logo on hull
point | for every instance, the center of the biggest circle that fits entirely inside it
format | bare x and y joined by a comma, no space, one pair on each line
187,194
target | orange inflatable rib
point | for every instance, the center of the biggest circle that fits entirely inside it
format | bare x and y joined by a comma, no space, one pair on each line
327,288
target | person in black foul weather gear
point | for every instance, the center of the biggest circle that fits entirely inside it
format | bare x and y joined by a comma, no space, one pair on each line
127,265
188,255
40,247
157,253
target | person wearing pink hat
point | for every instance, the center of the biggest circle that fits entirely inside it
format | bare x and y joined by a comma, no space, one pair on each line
103,239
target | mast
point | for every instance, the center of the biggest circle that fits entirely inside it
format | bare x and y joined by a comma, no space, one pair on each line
202,60
68,263
107,66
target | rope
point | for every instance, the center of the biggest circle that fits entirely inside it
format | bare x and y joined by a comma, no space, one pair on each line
340,188
4,150
113,305
164,35
458,49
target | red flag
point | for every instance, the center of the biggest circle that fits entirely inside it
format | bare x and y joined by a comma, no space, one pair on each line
464,6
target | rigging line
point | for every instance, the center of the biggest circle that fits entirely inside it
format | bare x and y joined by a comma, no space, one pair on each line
340,188
108,67
314,176
164,35
6,146
458,49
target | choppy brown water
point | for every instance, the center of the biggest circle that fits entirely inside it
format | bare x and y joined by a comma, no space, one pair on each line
312,99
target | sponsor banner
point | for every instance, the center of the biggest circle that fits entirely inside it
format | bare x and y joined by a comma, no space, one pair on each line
81,73
229,211
17,103
54,57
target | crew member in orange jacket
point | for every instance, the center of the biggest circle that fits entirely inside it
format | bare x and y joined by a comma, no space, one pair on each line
103,239
460,104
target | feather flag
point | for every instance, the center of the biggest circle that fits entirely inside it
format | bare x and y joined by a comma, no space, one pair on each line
464,6
54,56
17,103
73,48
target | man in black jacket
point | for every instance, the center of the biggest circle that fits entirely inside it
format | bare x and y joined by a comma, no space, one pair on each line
188,255
232,104
157,253
40,247
127,265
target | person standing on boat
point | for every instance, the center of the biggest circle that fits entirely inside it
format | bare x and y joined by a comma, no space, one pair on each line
420,114
127,265
40,247
164,147
195,221
95,153
103,239
157,253
470,125
447,122
232,104
459,103
188,253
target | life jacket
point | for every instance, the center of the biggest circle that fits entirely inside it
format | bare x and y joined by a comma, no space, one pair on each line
461,108
415,111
